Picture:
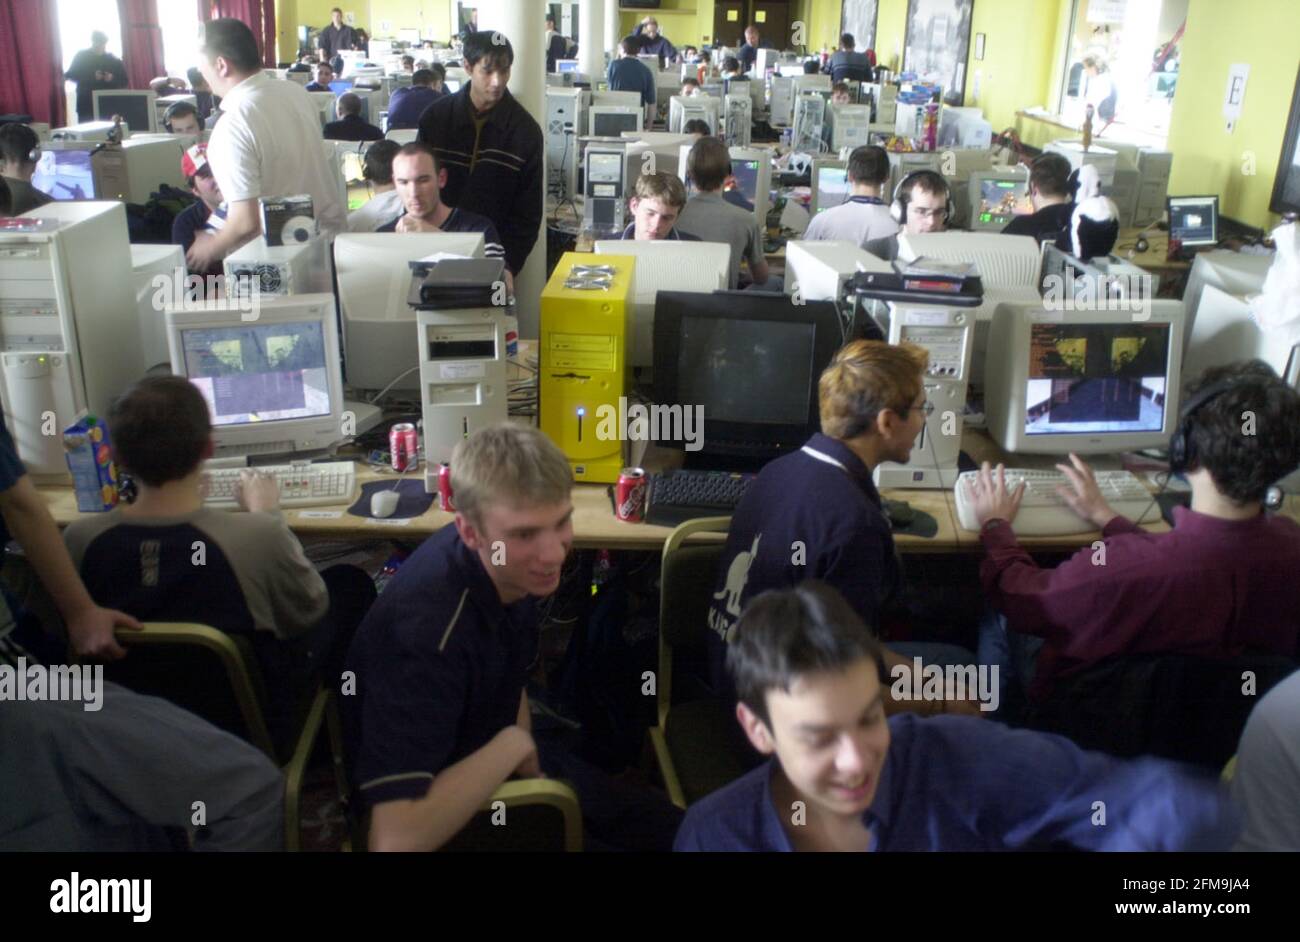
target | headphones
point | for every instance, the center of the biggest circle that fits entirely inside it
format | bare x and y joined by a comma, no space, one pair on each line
1182,451
898,208
33,155
170,114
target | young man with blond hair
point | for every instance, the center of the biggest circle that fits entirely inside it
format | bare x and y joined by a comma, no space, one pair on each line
440,716
816,514
659,200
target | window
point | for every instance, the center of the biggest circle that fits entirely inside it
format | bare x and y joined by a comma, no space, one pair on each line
1122,58
179,23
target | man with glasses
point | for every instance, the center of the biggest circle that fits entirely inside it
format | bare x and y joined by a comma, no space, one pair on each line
816,514
921,204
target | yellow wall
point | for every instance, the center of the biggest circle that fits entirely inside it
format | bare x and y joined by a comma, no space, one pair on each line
1207,159
421,14
684,22
1020,56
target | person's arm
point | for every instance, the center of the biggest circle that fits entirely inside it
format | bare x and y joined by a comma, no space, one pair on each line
90,628
522,228
456,794
243,225
758,267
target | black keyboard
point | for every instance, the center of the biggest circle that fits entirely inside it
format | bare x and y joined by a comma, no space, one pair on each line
678,496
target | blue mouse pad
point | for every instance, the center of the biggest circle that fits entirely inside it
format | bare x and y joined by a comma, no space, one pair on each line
411,499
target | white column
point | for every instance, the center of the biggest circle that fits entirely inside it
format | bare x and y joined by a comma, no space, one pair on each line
523,23
612,32
591,27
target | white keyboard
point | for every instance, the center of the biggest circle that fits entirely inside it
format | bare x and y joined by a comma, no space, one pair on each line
301,484
1043,512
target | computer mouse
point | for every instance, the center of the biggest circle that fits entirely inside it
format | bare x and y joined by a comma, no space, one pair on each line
900,514
383,504
1141,245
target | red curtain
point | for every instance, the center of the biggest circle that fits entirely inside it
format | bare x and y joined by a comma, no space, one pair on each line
142,45
258,14
31,70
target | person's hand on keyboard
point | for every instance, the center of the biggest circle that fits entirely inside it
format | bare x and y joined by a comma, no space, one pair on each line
257,492
990,498
1083,495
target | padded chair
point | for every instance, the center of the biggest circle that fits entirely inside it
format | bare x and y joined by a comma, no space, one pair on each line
698,745
214,675
541,814
1170,705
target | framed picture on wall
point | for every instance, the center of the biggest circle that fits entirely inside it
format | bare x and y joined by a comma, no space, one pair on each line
936,44
858,17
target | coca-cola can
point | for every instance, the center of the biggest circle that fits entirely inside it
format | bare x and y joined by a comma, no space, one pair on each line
630,495
444,488
404,446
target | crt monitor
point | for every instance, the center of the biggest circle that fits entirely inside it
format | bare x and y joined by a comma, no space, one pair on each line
136,108
752,359
373,271
273,385
1091,382
750,183
830,185
341,86
997,198
1194,220
613,120
566,65
65,174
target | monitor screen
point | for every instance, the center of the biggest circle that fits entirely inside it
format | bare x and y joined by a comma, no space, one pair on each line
755,372
341,86
1003,200
566,65
1087,379
612,124
452,85
134,109
832,187
259,372
1193,220
741,188
65,175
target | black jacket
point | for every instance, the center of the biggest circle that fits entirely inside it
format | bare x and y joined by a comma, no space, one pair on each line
496,173
352,128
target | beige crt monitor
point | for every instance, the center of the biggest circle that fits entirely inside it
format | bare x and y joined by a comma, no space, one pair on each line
666,265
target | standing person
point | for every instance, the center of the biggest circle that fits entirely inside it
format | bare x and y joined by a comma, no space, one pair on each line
335,38
490,147
557,45
654,42
627,73
748,53
848,64
94,69
1101,92
20,149
266,145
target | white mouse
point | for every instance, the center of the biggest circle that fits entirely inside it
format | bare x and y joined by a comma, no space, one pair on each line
383,503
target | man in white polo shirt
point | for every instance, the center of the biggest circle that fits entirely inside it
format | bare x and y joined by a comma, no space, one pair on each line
267,143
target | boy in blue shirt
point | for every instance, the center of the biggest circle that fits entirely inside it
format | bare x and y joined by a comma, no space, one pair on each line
844,777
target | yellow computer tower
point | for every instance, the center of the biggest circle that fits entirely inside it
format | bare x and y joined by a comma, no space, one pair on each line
582,360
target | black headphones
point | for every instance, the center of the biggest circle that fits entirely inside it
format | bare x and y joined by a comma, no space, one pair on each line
898,208
1182,451
34,154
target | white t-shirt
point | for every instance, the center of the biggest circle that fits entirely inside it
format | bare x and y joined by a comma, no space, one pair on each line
378,210
857,221
268,144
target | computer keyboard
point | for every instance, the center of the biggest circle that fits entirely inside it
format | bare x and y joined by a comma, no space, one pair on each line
678,496
1043,512
301,484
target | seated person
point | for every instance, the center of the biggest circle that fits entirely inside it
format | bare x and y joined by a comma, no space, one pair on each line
351,126
385,203
847,63
182,118
690,88
20,149
407,104
864,216
123,778
166,557
1049,191
408,63
202,93
731,70
627,73
442,719
710,218
1267,777
306,63
809,674
166,85
696,127
419,181
324,75
811,67
921,202
659,200
840,94
1222,583
205,218
816,514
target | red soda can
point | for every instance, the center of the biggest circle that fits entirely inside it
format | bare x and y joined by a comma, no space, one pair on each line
404,446
444,488
630,495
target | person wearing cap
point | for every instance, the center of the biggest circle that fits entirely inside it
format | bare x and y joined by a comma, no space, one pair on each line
206,217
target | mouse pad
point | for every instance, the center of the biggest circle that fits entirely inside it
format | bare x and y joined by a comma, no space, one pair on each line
411,499
922,525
